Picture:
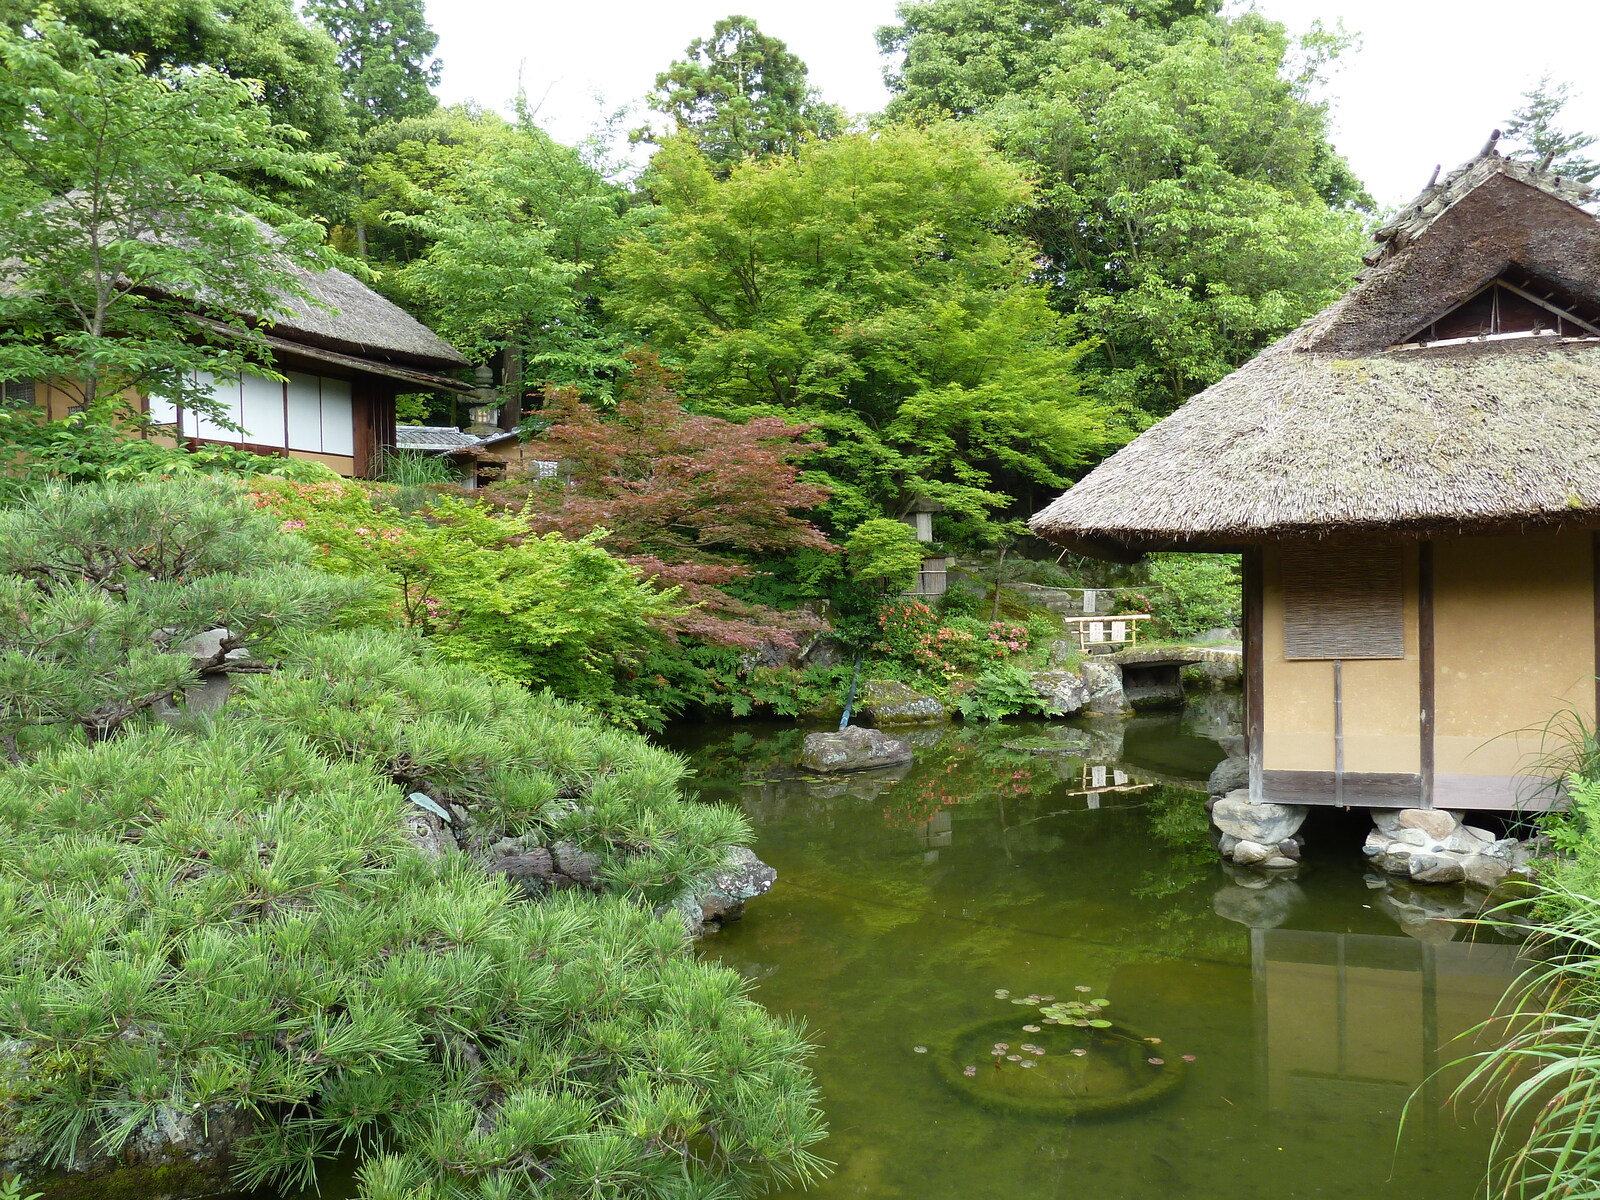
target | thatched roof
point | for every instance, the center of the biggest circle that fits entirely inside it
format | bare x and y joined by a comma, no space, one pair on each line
1351,426
360,321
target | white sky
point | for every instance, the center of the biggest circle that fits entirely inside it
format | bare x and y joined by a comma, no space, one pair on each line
1427,83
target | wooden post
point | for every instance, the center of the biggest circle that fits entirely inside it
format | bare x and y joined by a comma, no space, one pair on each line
1254,668
1425,670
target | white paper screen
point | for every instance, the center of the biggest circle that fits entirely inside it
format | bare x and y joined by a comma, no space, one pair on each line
338,422
263,411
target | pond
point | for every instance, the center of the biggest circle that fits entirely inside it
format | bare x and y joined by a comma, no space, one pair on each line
913,908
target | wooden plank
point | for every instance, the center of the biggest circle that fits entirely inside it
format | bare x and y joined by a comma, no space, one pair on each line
1426,670
1359,789
1338,730
1254,667
1498,793
1493,793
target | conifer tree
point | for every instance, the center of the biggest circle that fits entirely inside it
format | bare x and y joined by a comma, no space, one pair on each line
742,94
386,56
1534,127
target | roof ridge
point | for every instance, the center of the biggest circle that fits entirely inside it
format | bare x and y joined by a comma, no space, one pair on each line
1441,195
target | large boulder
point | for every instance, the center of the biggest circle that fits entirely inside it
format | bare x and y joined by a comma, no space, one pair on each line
888,702
1229,775
1264,823
854,749
1063,692
1104,679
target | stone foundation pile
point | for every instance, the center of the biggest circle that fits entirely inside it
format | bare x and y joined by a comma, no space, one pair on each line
1433,845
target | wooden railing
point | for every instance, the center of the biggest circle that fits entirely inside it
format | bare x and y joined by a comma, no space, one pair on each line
1105,633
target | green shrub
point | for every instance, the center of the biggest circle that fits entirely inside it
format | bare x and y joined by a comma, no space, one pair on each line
549,612
700,679
76,449
411,468
884,554
1001,690
1195,592
960,600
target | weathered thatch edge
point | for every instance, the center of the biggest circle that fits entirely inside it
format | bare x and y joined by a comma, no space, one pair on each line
1461,439
1344,429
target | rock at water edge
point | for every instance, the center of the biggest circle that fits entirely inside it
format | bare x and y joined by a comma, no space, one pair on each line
1063,692
1266,823
854,749
887,702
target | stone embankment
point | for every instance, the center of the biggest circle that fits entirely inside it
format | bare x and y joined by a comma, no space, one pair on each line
1433,845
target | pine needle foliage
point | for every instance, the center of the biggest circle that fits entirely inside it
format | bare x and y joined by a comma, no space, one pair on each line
226,925
233,921
100,586
508,762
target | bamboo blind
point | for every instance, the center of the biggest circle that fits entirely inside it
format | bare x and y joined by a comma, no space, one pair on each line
1343,602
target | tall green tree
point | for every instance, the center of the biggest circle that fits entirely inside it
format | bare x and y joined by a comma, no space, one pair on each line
1534,129
260,40
122,211
512,228
957,56
385,54
1190,207
741,94
867,288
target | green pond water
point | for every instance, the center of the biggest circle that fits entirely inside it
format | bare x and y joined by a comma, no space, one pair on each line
906,900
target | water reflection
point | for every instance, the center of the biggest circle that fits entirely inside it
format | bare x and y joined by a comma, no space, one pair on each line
1361,1020
1040,857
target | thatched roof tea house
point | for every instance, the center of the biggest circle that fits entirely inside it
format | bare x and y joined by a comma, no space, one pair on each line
1413,478
346,357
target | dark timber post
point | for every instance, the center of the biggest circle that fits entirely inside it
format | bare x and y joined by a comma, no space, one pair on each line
1254,668
1425,668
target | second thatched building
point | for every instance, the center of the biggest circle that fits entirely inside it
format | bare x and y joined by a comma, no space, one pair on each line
1413,479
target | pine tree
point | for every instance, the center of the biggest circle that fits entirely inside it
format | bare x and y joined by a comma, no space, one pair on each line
249,932
741,94
386,53
1542,141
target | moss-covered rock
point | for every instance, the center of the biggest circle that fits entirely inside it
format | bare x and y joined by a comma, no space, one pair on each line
888,702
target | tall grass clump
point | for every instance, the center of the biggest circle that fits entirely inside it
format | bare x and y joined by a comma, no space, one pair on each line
1544,1073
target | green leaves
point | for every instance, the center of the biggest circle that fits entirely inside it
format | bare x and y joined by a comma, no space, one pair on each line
867,287
126,199
1189,206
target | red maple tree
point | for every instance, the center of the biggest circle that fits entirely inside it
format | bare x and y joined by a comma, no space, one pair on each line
693,501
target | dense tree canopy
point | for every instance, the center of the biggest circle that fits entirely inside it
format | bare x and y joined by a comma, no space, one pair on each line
1189,206
957,56
385,56
865,287
261,40
121,204
507,228
741,94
